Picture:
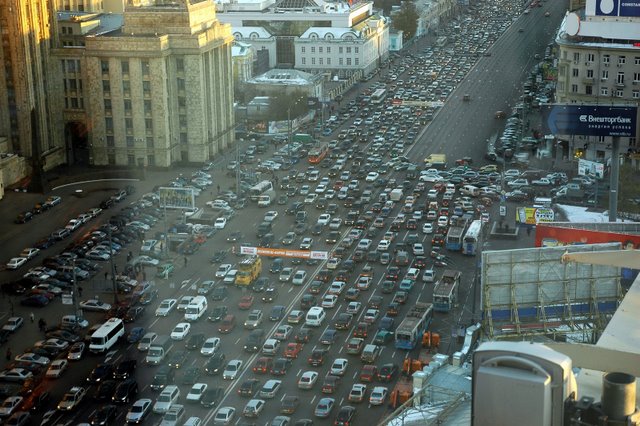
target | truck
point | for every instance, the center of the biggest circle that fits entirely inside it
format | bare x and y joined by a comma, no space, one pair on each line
445,292
249,270
568,193
436,161
396,194
158,350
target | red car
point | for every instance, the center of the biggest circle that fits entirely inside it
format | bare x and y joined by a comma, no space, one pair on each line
292,350
361,330
263,365
246,302
330,384
368,373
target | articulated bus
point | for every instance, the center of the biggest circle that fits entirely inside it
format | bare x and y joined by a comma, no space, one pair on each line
472,238
378,96
410,331
318,153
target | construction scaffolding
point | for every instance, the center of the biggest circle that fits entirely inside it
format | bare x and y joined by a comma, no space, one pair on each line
528,292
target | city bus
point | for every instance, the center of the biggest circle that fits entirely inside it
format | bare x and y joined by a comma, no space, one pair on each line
454,237
106,336
261,188
318,153
445,292
378,96
410,331
472,238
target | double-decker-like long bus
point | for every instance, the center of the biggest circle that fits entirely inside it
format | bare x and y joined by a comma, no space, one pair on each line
413,326
471,238
318,153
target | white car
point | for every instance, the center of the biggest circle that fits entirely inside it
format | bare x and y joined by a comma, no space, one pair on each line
371,315
427,228
34,358
56,368
220,223
222,270
383,245
270,216
307,380
335,223
339,367
95,305
29,253
210,346
372,176
224,416
16,262
165,307
354,307
337,287
378,395
329,301
180,331
324,219
418,249
283,332
320,189
139,224
15,375
148,245
139,411
443,220
10,405
364,244
196,392
232,369
73,224
310,198
13,324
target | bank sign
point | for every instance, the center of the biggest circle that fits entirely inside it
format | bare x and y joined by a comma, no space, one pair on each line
591,120
628,8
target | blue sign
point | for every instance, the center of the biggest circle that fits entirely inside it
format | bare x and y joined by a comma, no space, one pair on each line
591,120
628,8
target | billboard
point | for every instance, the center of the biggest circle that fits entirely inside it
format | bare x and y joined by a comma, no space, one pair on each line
627,8
534,215
590,168
591,120
569,234
176,198
528,291
273,252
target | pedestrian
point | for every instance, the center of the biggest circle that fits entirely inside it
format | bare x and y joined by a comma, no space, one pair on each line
80,291
115,268
41,324
106,275
218,188
32,317
185,261
161,246
9,354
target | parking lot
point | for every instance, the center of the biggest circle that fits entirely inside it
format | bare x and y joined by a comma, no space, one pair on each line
369,201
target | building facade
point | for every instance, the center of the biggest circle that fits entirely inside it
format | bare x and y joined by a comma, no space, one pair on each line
598,63
161,85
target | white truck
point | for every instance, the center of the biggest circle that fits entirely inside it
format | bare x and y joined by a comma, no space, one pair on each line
396,194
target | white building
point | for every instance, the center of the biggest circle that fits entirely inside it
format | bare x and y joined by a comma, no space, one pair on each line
263,42
598,64
243,57
432,13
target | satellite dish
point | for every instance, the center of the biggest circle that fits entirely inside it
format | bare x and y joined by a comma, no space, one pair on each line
572,26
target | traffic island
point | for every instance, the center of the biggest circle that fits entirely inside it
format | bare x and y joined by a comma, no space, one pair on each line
504,230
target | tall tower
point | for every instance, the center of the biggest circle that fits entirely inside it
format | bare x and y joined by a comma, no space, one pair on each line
26,80
161,86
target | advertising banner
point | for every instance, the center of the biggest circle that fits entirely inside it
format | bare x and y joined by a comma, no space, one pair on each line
553,236
273,252
591,120
533,215
627,8
590,168
176,198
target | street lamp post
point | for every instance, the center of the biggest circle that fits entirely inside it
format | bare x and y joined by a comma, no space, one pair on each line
113,269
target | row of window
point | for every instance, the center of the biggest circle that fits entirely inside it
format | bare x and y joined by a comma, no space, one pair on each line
606,58
604,91
126,87
128,124
131,159
127,105
124,67
321,61
341,49
604,75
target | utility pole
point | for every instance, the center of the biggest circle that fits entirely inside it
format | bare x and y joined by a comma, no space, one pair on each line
76,304
113,269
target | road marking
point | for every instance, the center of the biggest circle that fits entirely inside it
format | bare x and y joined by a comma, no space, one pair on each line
283,397
341,348
299,372
341,401
313,399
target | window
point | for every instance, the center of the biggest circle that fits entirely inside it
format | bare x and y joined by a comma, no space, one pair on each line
146,87
636,77
181,84
131,159
348,49
605,75
328,49
145,68
183,120
147,106
575,72
635,94
588,89
107,104
620,78
130,141
589,73
340,49
320,49
357,61
149,142
328,61
591,57
148,124
104,66
348,61
182,101
111,142
576,57
320,61
303,49
304,61
127,105
128,124
622,60
356,50
619,93
313,49
313,61
111,159
74,103
151,160
636,60
126,87
606,59
340,61
108,123
106,86
604,91
574,88
183,138
125,67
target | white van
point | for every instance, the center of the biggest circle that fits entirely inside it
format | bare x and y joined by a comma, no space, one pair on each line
470,190
168,397
196,308
315,317
264,201
542,202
